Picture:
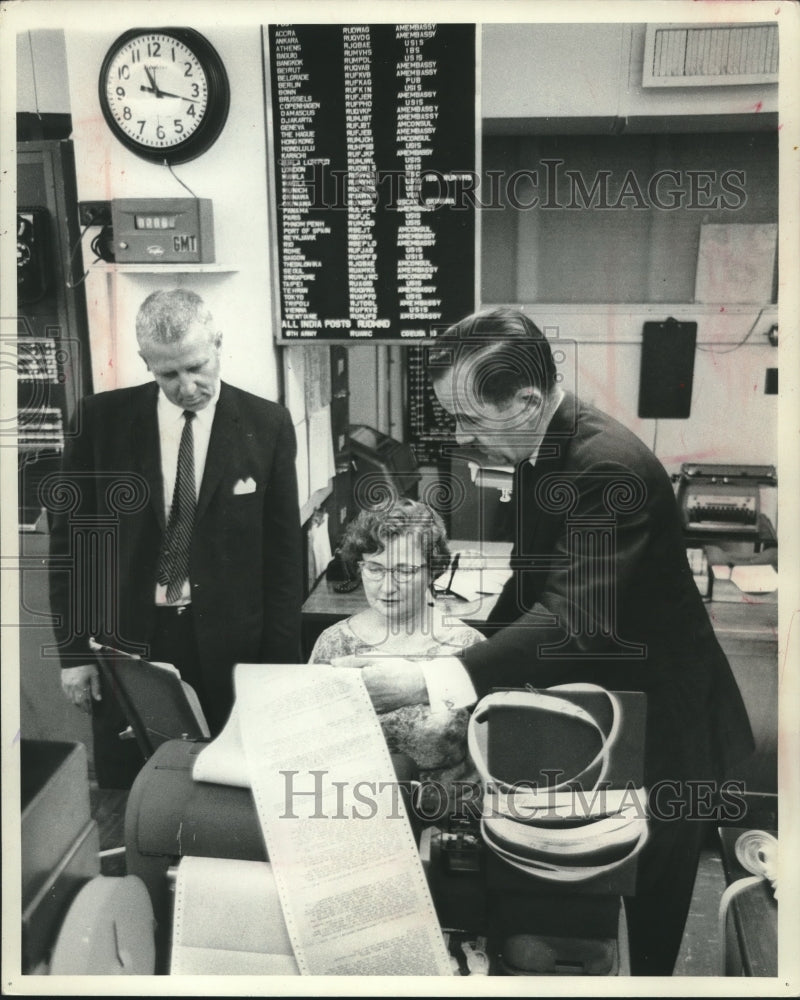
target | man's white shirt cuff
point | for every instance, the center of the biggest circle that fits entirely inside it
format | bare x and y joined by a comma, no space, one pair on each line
448,683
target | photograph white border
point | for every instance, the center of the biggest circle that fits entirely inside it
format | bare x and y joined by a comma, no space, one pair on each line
17,16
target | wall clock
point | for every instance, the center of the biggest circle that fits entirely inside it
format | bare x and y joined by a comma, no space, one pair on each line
164,93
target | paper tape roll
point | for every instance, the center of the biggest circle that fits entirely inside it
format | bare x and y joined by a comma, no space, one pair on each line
757,853
108,931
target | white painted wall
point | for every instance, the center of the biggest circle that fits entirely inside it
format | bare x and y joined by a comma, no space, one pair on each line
731,420
552,70
232,174
42,84
595,70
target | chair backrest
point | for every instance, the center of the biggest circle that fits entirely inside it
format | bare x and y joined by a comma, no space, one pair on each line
156,703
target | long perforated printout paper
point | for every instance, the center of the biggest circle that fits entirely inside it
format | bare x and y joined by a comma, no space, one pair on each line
348,873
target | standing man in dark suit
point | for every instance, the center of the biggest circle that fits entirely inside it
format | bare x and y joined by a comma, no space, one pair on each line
175,530
602,593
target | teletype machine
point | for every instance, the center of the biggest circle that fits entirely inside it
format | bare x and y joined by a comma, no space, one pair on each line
723,502
525,878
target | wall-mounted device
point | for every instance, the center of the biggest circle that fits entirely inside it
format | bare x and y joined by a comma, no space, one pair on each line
163,230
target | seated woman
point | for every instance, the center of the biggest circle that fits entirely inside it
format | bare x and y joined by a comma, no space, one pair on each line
399,553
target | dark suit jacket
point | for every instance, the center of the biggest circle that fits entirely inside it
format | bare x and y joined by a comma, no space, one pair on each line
608,597
108,521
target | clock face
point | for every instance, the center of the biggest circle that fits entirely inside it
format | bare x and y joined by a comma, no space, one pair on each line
164,94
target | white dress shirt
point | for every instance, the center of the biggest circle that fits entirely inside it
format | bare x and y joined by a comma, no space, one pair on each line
170,429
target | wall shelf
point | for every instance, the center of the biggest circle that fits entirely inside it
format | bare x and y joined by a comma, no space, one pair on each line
176,268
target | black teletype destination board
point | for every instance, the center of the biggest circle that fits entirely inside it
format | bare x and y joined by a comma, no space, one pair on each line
374,158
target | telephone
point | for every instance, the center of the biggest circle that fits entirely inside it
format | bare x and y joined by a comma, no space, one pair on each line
339,574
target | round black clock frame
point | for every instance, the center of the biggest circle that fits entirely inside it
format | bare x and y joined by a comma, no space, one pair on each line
217,104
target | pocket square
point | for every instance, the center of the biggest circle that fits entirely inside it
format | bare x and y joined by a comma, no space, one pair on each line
244,486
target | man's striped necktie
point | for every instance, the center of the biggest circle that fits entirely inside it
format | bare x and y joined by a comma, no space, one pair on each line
173,566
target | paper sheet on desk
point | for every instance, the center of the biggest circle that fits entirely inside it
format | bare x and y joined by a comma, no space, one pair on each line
755,578
471,584
353,893
474,578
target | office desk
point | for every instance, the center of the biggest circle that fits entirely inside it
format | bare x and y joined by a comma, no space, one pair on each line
746,626
734,615
762,535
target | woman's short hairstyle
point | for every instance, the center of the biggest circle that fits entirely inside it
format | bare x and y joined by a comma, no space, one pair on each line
370,532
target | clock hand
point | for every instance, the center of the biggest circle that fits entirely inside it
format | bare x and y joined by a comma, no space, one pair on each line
153,88
166,93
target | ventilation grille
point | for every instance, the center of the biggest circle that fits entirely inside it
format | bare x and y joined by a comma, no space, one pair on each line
706,55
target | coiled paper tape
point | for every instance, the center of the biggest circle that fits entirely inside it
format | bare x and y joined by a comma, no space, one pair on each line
757,853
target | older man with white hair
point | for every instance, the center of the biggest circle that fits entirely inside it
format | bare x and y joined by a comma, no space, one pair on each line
196,481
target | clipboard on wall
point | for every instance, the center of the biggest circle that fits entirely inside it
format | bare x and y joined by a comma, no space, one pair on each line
667,369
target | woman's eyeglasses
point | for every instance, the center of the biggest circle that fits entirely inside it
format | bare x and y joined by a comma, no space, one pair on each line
375,571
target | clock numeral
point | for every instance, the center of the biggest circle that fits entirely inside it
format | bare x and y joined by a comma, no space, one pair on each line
180,130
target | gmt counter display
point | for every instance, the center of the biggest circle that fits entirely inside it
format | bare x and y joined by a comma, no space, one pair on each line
373,147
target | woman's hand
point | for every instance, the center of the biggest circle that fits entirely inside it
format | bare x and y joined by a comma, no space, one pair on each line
390,680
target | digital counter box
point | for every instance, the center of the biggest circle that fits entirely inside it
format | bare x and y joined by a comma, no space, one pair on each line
163,230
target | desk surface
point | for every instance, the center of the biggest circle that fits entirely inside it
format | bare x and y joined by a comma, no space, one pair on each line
751,616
